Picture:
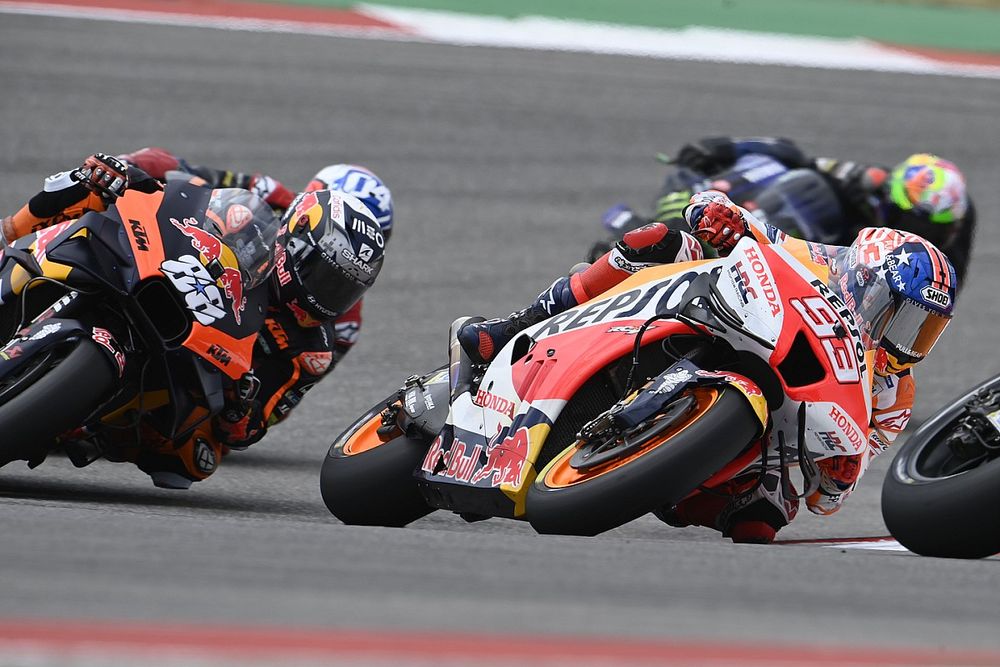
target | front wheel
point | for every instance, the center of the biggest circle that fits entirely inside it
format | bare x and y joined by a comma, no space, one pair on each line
583,492
365,481
942,493
51,394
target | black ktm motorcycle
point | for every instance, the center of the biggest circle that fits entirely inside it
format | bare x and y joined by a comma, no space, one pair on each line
121,326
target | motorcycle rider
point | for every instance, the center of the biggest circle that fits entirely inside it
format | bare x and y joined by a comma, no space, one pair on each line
923,194
900,287
312,321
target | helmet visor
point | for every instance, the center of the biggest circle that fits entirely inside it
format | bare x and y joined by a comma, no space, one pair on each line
913,331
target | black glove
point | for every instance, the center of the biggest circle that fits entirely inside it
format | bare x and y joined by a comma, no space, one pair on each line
104,175
706,155
857,184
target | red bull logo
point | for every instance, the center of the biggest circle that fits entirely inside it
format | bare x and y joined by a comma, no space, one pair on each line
207,244
505,461
209,247
231,283
308,210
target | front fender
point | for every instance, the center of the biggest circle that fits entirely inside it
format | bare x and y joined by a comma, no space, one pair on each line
46,334
662,389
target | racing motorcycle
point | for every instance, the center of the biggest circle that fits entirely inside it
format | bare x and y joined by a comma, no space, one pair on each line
677,380
120,327
798,201
941,496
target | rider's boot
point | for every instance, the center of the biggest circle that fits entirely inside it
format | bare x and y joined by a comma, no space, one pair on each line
482,340
742,510
178,468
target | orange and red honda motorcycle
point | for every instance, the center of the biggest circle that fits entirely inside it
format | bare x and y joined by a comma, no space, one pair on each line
679,379
122,326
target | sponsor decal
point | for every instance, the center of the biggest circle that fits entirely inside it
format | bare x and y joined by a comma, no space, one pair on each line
210,248
104,338
357,261
936,296
490,401
846,317
624,305
46,330
831,440
505,461
893,421
237,217
371,231
140,236
277,332
204,457
46,236
741,281
671,381
749,388
847,427
627,329
219,354
316,363
301,316
764,278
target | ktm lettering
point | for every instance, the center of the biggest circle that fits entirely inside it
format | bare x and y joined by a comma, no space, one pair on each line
139,234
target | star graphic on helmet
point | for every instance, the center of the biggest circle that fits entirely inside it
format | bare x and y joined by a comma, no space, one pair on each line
904,257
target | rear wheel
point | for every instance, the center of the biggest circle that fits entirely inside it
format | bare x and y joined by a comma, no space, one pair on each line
51,394
942,493
365,481
594,487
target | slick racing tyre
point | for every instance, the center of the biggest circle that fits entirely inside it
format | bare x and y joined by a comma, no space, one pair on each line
49,395
694,437
367,482
941,496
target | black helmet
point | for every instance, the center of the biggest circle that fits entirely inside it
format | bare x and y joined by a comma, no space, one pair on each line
336,249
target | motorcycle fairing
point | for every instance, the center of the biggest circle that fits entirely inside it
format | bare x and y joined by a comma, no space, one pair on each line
47,334
119,250
526,387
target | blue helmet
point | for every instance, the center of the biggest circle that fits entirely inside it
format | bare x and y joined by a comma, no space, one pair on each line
904,301
362,183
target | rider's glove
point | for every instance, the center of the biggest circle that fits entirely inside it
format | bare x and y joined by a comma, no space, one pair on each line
240,424
716,220
271,190
706,155
104,175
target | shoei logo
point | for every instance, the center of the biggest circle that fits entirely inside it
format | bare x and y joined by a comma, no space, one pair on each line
936,296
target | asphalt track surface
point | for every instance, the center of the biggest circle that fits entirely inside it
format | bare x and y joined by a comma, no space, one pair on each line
500,163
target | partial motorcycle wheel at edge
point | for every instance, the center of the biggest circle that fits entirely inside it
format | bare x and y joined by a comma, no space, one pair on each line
932,512
51,394
367,482
566,501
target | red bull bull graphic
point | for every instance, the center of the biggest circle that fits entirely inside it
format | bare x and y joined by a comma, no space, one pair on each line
505,460
210,247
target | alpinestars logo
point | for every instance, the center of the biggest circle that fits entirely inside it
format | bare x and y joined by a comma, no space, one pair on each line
204,457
